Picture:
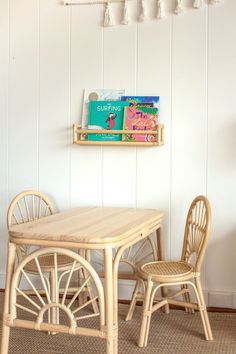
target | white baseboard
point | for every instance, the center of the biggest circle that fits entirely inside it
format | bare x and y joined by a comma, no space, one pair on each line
2,280
221,299
213,298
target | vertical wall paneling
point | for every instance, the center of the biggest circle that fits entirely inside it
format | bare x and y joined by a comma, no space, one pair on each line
153,164
50,52
4,53
119,164
54,102
23,96
222,146
189,118
86,72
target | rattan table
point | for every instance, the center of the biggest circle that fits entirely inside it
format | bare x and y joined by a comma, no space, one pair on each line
89,228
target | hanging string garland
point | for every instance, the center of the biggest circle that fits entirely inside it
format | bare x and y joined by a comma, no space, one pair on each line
125,16
125,19
179,7
198,4
160,9
108,16
143,12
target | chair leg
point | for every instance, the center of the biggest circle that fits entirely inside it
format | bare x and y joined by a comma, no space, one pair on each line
133,301
148,324
146,317
186,297
164,294
94,303
10,270
161,257
90,293
203,311
88,290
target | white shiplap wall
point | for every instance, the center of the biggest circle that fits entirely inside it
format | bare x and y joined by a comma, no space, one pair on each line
49,53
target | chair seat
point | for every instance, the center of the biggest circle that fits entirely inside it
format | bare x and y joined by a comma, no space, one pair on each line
162,271
47,263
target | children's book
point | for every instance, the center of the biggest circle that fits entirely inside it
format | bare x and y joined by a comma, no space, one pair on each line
98,95
140,118
140,101
106,115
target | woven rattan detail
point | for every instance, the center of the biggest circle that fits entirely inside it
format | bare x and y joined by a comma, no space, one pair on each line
166,268
48,262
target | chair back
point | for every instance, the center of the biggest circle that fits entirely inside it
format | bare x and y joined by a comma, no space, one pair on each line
25,207
197,229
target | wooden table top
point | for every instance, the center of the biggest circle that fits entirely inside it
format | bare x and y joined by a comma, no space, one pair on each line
91,225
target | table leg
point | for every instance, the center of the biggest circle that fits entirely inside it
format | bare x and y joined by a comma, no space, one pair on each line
160,244
54,315
6,311
83,296
111,330
161,257
115,297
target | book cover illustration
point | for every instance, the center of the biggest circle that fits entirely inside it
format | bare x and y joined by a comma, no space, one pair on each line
106,115
98,95
140,118
141,101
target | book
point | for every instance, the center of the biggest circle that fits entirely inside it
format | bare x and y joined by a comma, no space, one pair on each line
139,101
140,118
106,115
98,95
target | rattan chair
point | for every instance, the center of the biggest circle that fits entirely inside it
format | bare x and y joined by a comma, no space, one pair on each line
29,206
33,312
184,273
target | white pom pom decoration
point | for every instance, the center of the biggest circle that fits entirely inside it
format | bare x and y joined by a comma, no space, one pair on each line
108,16
197,4
179,8
125,16
160,9
143,13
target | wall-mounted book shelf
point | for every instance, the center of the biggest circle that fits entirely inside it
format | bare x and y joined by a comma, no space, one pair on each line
80,136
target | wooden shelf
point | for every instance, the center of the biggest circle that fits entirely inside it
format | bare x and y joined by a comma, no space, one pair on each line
80,136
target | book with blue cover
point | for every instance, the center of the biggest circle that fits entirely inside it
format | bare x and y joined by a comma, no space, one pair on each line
106,115
139,101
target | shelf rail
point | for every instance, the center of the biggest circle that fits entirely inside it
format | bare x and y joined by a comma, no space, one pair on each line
80,136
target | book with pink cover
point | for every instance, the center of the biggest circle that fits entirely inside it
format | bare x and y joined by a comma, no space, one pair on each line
140,118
